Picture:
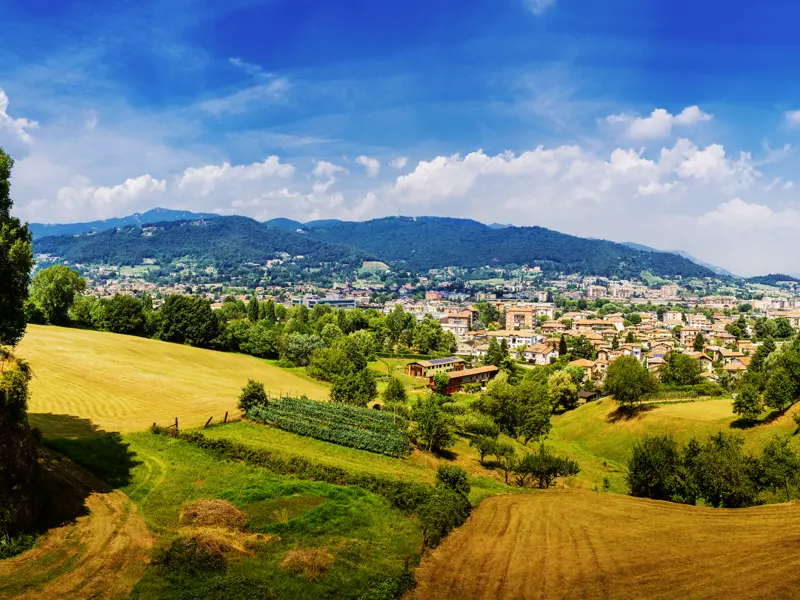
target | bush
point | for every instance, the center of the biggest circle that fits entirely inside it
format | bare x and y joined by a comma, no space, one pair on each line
252,395
477,424
543,467
390,588
444,511
654,469
16,545
454,478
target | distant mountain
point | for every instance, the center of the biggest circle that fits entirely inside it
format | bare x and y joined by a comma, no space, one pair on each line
223,242
686,255
151,216
499,225
282,223
422,243
322,223
772,279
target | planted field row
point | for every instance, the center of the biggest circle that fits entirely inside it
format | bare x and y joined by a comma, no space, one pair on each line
328,423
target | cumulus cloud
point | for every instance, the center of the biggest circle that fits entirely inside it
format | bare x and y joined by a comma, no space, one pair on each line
738,214
399,162
204,180
108,201
792,117
323,168
371,165
20,127
538,7
659,123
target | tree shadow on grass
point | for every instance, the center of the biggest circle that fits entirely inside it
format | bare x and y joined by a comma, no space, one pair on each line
628,414
743,423
107,460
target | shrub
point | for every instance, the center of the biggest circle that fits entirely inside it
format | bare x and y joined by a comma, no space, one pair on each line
252,395
390,588
544,467
477,424
454,478
654,469
444,511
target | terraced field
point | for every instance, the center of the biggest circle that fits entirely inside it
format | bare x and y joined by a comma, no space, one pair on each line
124,383
575,544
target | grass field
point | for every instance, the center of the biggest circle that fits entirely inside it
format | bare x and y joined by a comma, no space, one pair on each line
125,383
573,544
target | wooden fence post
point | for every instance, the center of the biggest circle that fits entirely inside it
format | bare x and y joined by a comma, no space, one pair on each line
226,417
208,422
176,423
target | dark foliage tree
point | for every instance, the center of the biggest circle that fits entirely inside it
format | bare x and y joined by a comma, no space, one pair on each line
252,309
699,342
654,470
357,388
680,369
188,320
748,402
252,395
121,314
54,289
779,467
629,382
432,426
454,478
395,392
780,389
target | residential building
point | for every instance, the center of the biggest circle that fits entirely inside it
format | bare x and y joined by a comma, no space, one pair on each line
541,354
458,379
429,368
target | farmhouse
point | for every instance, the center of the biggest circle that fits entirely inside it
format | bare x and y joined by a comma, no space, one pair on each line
429,368
458,379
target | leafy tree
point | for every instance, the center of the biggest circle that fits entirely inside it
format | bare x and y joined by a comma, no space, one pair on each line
260,340
506,458
444,510
495,354
562,391
783,329
635,318
269,312
252,395
748,402
432,426
484,445
296,348
544,467
699,342
121,314
762,352
500,403
330,334
629,382
16,262
654,470
440,382
428,335
252,309
188,320
780,465
615,343
535,411
395,392
358,389
724,474
680,369
19,470
54,290
581,347
454,478
779,392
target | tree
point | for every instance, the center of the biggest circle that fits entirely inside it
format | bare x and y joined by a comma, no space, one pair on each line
534,423
252,395
779,392
780,465
562,346
440,383
395,392
506,458
699,342
783,329
121,314
680,369
296,348
494,353
252,309
581,347
654,468
431,425
500,402
562,391
54,290
629,382
724,474
748,402
20,500
330,334
762,352
454,478
269,312
358,389
188,320
544,467
444,510
615,343
484,445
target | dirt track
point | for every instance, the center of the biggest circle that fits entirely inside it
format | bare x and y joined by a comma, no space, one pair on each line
573,544
101,554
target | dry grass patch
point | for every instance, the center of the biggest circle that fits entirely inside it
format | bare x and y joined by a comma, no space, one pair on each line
311,563
213,513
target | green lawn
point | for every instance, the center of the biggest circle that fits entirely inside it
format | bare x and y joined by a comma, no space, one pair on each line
367,538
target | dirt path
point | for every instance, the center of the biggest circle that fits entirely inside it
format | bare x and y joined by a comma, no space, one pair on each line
101,554
575,544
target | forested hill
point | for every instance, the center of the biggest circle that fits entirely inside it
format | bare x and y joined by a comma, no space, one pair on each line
424,243
156,215
220,242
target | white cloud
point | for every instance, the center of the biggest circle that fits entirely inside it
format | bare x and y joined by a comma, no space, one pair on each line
399,162
538,7
654,188
660,122
323,168
249,68
19,127
108,201
204,180
372,165
792,117
738,214
271,91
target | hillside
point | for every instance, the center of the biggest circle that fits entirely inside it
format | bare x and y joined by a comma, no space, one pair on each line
433,242
575,544
151,216
686,255
122,383
220,242
773,279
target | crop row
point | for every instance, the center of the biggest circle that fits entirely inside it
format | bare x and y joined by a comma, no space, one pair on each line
363,418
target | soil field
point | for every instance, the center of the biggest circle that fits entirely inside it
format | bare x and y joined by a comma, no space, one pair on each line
575,544
125,383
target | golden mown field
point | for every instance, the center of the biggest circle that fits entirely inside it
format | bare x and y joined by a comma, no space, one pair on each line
125,383
578,544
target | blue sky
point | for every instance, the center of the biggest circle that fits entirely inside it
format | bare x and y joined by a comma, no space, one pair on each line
666,123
